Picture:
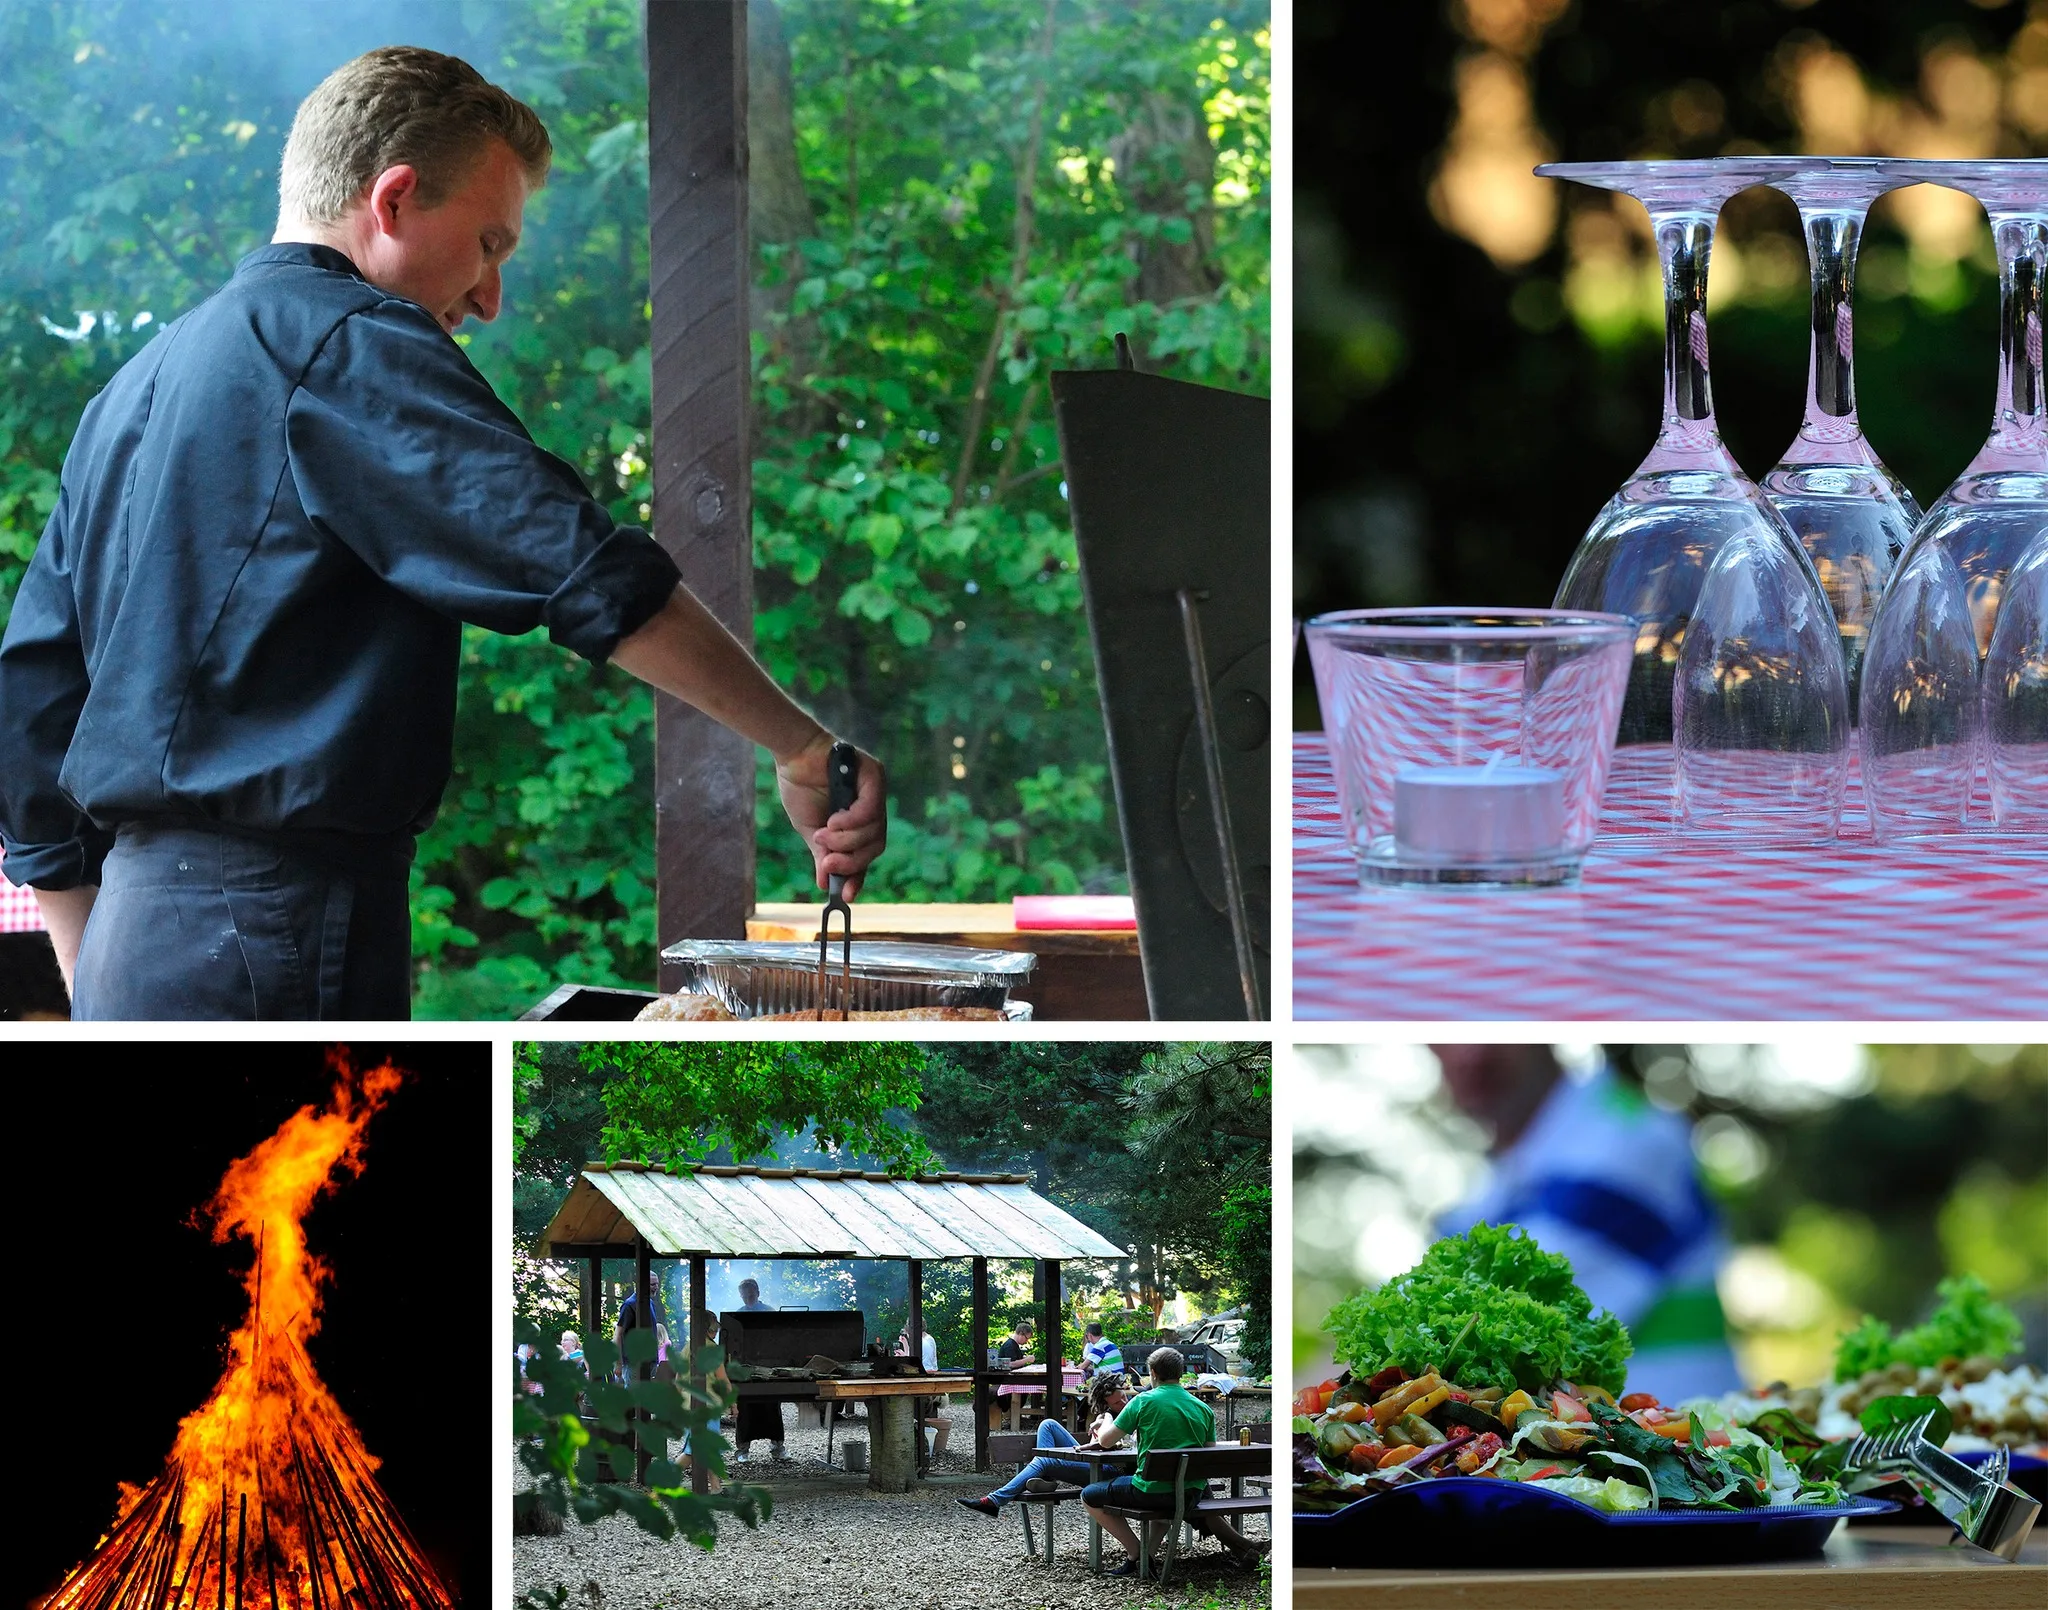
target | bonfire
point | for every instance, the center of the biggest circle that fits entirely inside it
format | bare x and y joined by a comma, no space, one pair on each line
269,1499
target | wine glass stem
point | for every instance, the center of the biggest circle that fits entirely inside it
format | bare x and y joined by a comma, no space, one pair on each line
2022,261
1685,241
1831,240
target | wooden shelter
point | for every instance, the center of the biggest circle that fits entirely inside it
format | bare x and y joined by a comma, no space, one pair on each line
643,1212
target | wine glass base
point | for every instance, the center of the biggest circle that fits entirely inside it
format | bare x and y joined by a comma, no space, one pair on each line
1385,862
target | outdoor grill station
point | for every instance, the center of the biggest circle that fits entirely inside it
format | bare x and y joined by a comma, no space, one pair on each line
642,1212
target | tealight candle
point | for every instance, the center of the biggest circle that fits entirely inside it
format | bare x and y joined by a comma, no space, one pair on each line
1495,812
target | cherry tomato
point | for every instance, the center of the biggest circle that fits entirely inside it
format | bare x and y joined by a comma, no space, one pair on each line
1639,1400
1563,1406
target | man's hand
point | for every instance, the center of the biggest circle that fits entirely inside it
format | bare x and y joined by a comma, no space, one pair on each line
844,844
684,651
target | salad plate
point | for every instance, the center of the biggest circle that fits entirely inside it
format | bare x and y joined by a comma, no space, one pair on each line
1479,1521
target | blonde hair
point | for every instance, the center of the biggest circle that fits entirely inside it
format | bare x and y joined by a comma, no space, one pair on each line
400,105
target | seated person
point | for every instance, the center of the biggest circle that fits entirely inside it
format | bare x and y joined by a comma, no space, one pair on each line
1107,1395
1166,1415
1099,1355
1014,1351
931,1412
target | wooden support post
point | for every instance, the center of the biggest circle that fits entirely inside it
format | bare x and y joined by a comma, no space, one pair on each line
914,1329
699,276
592,1271
643,1288
977,1356
1055,1313
699,1479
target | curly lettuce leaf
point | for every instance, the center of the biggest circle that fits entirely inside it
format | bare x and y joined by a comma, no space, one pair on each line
1966,1323
1487,1308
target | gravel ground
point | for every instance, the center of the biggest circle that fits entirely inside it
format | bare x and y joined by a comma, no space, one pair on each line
833,1544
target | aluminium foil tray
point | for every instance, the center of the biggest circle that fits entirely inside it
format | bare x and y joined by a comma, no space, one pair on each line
759,977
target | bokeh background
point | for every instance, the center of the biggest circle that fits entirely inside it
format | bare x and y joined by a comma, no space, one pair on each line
1477,350
1850,1178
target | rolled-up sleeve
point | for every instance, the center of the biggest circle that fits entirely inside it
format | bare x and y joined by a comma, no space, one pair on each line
50,842
401,451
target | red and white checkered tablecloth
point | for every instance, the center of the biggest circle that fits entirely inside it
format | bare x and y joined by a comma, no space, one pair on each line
1661,927
19,913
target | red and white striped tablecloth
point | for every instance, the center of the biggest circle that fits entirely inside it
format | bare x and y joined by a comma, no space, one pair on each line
19,913
1661,927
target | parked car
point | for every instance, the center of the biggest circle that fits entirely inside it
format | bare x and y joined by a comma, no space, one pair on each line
1222,1334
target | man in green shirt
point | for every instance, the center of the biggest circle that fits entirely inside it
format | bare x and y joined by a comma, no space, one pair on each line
1166,1415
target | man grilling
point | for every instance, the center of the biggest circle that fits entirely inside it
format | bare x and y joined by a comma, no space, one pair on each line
227,690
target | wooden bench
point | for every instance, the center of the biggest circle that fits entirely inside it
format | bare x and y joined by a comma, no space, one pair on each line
1191,1470
1020,1448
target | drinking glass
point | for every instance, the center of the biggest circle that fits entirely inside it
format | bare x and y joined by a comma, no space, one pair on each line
2016,696
1991,513
1850,513
1919,731
1648,551
1470,746
1761,706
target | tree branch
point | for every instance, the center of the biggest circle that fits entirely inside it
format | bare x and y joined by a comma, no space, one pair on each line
1020,260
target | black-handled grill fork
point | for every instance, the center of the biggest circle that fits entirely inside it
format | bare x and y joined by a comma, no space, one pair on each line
1980,1504
842,782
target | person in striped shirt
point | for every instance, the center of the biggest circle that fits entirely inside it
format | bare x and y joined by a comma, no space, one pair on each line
1099,1354
1593,1170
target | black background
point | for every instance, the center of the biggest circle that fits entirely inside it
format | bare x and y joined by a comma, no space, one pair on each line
137,1301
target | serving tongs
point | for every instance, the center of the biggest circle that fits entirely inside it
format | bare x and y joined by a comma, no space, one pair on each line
1981,1504
842,782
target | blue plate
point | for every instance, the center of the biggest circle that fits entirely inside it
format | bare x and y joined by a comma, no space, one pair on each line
1482,1521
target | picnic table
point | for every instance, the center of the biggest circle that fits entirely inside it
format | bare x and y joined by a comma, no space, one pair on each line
1126,1459
1011,1398
1250,1397
895,1443
1662,927
1862,1565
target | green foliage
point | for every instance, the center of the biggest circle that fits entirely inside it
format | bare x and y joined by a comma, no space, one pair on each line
681,1102
943,629
1889,1413
558,1451
1967,1323
1487,1308
1245,1220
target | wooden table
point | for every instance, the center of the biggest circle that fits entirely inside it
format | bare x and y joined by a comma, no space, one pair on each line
1083,974
1260,1396
892,1411
1069,1394
1096,1458
1863,1568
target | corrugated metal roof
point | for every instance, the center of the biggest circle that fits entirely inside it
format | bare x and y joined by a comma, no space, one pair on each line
725,1212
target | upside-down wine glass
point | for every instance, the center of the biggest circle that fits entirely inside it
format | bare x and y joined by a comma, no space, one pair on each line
1763,685
2016,696
1850,513
1997,505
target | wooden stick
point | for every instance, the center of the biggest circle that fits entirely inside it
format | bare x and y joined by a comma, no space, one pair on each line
241,1550
269,1555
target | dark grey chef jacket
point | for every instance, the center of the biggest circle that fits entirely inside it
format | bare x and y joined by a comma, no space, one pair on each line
244,618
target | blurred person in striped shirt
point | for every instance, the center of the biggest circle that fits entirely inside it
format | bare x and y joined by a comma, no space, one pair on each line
1592,1170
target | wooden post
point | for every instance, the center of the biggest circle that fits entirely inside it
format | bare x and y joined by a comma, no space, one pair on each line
1054,1314
698,1343
699,276
977,1356
643,1287
914,1329
593,1298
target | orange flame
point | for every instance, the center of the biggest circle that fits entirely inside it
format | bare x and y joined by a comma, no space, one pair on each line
268,1495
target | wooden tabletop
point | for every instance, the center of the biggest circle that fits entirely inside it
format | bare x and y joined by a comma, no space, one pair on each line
986,927
894,1386
1863,1568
